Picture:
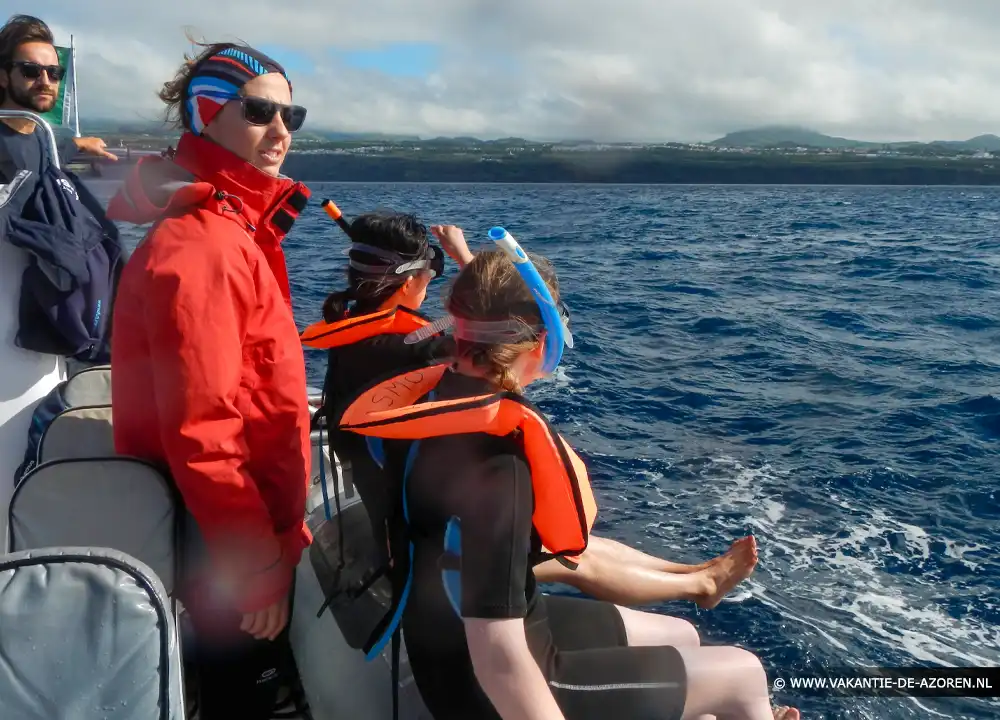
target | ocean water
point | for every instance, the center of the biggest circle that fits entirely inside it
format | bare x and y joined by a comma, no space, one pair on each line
818,366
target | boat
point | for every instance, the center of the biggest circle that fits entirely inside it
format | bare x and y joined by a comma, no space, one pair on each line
83,503
99,168
27,376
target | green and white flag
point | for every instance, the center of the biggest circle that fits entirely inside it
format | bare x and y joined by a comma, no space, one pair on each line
62,112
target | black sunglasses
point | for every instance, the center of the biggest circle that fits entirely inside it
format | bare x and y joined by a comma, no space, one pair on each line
33,71
260,111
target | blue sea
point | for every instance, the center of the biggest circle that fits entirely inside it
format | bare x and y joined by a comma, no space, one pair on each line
818,366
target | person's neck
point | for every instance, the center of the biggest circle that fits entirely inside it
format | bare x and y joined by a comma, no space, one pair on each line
465,366
391,304
18,124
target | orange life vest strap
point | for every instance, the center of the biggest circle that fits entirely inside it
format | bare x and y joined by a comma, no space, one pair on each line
565,508
396,321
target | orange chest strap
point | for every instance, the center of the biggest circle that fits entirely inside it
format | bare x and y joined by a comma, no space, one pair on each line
398,321
565,508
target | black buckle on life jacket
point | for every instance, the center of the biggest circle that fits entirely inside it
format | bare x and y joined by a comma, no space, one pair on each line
561,559
567,563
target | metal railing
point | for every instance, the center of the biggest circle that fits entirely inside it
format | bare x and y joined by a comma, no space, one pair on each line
38,120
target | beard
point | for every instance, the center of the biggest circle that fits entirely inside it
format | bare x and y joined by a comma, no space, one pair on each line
35,101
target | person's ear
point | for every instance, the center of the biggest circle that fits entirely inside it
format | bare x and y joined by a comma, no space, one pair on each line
538,352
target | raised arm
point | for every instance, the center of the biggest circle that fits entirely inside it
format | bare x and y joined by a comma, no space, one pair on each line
453,242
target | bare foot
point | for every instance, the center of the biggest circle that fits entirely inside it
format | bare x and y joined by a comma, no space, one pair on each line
786,713
737,544
732,568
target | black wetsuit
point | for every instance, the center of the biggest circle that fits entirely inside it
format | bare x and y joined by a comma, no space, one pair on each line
351,368
580,645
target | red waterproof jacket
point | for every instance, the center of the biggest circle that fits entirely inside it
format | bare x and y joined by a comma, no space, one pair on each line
209,376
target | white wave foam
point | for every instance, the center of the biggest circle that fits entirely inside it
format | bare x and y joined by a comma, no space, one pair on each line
557,383
828,569
957,550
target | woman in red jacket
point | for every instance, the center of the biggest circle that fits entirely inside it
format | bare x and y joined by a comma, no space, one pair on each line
209,377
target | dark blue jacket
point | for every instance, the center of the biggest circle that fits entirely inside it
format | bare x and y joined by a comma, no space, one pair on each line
75,259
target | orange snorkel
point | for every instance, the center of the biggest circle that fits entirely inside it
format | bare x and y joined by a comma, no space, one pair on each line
338,217
434,260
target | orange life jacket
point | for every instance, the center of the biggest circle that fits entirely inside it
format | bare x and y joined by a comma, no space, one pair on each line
397,321
564,501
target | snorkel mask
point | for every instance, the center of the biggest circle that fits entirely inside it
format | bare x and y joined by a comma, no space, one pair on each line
396,264
555,318
434,261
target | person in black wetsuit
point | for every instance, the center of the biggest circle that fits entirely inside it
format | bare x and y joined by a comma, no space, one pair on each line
608,570
354,364
490,645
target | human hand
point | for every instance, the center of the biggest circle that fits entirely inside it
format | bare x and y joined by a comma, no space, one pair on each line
266,624
453,242
94,146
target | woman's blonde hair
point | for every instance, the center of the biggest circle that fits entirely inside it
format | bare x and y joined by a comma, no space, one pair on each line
490,288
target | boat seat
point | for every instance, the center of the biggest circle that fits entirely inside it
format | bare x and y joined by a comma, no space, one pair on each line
77,434
83,433
87,633
89,386
114,502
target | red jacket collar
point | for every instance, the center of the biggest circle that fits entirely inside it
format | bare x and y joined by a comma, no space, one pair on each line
268,204
210,163
203,174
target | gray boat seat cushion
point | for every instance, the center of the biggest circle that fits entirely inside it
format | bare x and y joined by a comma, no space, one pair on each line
113,502
87,633
91,386
80,432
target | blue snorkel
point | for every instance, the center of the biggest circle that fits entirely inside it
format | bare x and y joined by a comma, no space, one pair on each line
557,334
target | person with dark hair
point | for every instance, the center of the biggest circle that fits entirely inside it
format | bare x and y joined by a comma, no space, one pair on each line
209,377
30,78
391,265
363,330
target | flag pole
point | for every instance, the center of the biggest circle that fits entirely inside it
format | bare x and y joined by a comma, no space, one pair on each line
72,88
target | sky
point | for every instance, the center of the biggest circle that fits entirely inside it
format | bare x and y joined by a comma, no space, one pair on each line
606,70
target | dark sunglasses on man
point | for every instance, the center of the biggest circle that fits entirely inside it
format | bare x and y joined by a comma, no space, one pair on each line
261,111
33,71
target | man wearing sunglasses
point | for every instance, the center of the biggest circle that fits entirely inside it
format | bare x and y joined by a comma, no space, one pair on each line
30,79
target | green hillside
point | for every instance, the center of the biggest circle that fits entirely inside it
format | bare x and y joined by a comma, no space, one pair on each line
782,136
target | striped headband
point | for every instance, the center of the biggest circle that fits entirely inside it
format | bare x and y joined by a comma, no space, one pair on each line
218,79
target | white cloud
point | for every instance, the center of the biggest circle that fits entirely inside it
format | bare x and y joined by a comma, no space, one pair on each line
629,69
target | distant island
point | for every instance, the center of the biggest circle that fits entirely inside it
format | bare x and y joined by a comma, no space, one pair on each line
767,155
780,136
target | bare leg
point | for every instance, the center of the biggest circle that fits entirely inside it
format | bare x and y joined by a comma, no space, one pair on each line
651,629
729,683
622,584
621,553
604,577
723,683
